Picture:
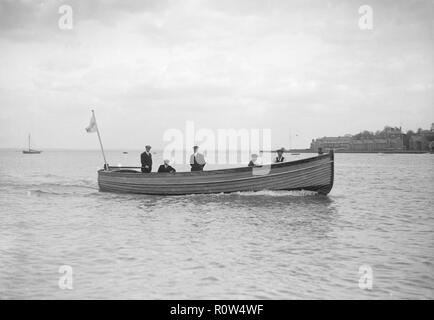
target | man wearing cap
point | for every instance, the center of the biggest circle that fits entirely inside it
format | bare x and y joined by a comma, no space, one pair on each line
146,158
197,160
279,157
166,167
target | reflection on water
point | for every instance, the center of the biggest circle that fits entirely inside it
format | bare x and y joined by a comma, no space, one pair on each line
241,245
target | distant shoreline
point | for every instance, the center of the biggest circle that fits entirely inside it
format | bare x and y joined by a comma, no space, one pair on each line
293,151
348,151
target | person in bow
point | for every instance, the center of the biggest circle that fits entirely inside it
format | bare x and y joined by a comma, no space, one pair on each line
280,157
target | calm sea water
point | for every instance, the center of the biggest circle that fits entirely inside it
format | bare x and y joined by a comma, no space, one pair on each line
271,245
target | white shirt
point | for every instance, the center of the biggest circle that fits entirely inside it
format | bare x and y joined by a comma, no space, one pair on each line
200,159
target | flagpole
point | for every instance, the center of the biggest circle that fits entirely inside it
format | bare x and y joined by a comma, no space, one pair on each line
100,143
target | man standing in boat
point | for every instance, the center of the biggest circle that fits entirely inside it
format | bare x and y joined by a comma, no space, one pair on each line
280,157
197,160
146,158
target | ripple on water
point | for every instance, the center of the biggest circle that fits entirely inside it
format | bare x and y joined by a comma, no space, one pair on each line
251,245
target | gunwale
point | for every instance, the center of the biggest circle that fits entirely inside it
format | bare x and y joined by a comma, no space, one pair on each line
114,169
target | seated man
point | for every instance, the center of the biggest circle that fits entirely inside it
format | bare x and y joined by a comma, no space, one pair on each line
197,160
166,167
253,161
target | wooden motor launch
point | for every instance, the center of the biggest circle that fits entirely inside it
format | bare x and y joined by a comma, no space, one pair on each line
314,174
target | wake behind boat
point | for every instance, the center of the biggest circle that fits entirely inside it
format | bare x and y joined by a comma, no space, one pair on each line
313,174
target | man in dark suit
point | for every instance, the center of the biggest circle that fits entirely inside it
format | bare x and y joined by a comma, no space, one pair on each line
166,167
146,158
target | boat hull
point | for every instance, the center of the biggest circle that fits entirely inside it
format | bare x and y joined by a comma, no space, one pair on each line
31,152
314,174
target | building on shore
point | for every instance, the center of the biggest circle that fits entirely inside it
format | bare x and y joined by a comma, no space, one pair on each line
377,145
418,143
357,145
422,140
390,139
335,143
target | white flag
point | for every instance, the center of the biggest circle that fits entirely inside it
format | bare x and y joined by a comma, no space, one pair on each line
92,125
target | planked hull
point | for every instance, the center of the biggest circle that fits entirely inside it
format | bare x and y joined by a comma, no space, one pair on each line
315,174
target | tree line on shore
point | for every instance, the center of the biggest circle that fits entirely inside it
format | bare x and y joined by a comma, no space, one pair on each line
395,132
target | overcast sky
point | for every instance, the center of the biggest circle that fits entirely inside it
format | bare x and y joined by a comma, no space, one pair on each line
300,68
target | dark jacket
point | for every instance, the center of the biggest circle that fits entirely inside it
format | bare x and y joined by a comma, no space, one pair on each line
163,168
146,161
195,164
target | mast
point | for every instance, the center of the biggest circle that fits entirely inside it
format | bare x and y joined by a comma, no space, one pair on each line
29,141
290,139
100,143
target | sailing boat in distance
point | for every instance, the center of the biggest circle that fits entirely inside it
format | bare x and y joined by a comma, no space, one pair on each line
30,150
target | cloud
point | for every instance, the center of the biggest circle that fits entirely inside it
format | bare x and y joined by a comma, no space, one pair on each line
279,64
